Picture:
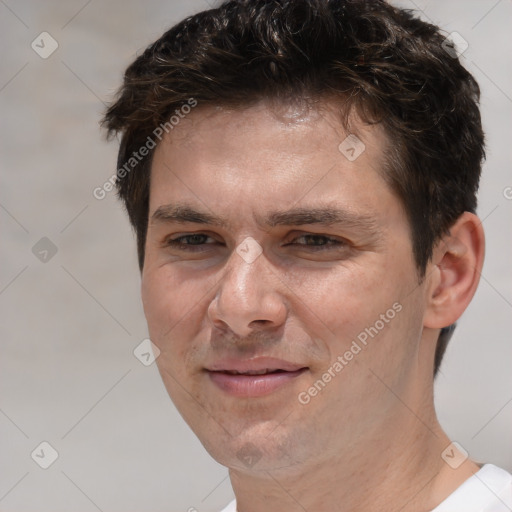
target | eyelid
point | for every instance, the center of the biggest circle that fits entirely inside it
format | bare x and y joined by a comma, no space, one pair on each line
332,241
292,237
176,241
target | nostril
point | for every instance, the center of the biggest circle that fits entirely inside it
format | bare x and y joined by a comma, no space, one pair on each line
260,322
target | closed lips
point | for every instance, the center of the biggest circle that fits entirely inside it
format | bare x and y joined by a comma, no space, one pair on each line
253,378
255,372
256,366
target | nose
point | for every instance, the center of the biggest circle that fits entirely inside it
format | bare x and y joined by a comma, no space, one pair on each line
249,296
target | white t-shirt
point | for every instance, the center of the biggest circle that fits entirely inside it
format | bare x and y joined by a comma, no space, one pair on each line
488,490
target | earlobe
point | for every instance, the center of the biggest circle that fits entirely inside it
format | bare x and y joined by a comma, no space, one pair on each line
458,260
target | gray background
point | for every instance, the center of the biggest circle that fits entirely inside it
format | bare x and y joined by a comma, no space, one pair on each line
70,324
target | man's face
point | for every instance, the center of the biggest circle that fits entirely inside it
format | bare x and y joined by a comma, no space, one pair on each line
281,285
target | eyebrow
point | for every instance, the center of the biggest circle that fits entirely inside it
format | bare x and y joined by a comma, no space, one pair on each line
322,215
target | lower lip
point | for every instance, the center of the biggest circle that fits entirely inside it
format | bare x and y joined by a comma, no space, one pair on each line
253,385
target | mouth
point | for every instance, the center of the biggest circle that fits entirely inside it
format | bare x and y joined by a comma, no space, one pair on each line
254,372
253,378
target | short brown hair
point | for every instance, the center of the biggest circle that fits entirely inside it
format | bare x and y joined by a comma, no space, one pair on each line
393,68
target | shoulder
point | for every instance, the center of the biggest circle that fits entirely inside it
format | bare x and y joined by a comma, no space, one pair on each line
488,490
230,508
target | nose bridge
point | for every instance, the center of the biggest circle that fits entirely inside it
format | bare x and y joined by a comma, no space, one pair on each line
248,294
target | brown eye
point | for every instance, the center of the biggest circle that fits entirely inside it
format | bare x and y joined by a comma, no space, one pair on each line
188,242
318,242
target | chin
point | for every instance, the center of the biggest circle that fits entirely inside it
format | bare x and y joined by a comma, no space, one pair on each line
253,449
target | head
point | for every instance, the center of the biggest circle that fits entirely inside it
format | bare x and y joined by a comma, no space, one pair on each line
339,145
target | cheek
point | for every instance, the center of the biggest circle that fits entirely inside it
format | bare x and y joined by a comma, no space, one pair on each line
172,309
344,300
172,306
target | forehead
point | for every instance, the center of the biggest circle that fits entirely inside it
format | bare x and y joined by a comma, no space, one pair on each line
296,127
254,157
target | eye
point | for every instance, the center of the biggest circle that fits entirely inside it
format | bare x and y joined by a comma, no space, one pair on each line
318,242
196,242
188,242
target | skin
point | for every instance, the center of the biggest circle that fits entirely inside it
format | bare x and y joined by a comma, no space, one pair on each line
370,440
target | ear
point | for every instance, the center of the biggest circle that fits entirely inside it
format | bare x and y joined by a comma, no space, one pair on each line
454,271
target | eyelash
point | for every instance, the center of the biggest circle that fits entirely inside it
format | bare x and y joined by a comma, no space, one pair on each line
330,242
182,246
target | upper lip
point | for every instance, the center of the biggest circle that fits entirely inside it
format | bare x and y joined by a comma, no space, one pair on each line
254,365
